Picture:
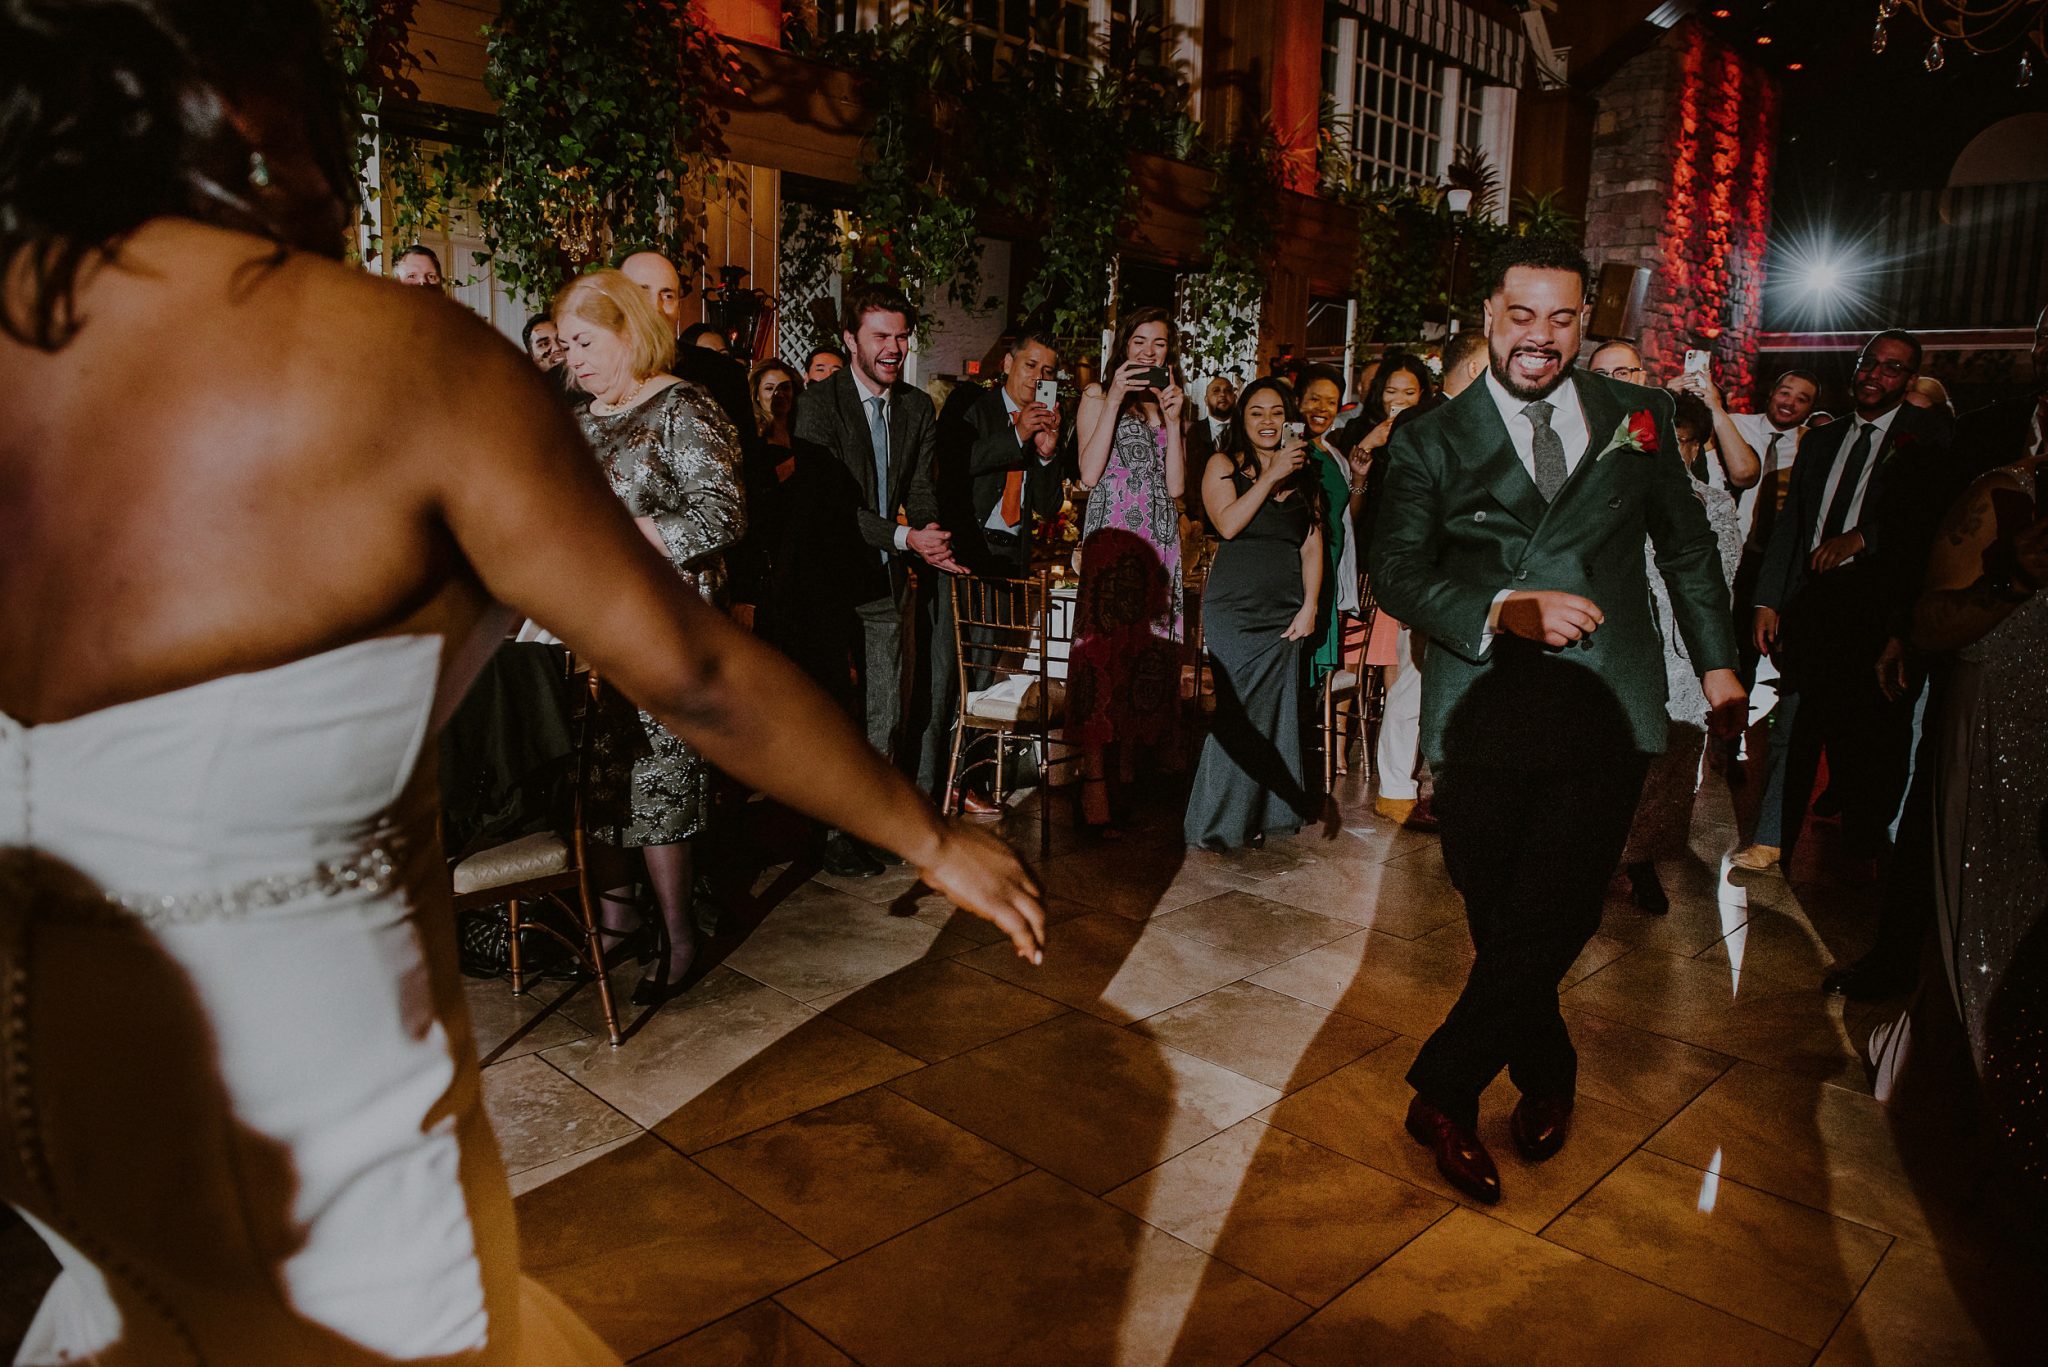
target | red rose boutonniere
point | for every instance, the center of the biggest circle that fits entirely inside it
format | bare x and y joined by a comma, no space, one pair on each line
1638,433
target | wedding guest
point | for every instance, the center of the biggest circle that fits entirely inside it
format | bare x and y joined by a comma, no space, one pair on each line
1464,362
1544,693
1404,383
883,431
1618,359
1928,392
1663,819
543,344
252,1110
718,374
1832,592
1364,377
1206,432
822,363
1124,668
1322,388
1259,607
674,461
706,336
417,266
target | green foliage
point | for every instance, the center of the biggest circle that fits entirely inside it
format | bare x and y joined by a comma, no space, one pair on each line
608,136
1240,239
812,250
370,46
1541,216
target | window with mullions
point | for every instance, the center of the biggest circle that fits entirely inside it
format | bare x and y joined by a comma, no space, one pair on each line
1397,108
1059,27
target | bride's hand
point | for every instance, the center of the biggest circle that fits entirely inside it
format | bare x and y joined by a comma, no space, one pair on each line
980,874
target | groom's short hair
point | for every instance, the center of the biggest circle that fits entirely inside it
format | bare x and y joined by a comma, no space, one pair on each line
1537,253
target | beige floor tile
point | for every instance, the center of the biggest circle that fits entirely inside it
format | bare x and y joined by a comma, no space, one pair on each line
1599,952
762,1335
1693,923
1092,1103
1115,969
729,1057
1037,1272
1390,898
1793,945
646,1246
1137,883
1293,1214
1268,1036
1249,863
934,910
1927,1305
818,943
856,1172
1472,1290
1637,1071
1254,928
937,1009
1827,1147
1358,1111
1400,984
1773,1262
1363,839
533,1179
496,1017
539,1115
1792,1027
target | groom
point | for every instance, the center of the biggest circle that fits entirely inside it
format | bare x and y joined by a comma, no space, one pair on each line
1511,532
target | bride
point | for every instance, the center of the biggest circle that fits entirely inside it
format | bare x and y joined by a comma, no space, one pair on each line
257,514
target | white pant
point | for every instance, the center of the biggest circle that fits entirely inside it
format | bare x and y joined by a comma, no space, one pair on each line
1401,725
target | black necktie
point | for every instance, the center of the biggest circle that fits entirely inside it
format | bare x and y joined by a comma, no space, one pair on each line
1845,492
1764,512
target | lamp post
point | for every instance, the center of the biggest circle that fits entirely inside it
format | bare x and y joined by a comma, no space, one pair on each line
1459,201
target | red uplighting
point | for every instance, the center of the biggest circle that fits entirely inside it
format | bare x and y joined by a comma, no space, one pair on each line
1720,14
1763,40
1795,66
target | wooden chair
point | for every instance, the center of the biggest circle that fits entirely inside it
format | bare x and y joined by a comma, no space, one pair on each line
1351,698
551,865
1006,633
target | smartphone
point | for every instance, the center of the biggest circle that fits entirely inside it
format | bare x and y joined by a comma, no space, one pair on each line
1696,361
1158,377
1048,393
1297,430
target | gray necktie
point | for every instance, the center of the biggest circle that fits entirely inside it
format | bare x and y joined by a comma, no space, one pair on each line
1548,449
878,437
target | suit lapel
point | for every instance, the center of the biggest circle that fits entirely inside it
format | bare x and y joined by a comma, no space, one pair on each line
1603,413
899,441
854,415
1481,439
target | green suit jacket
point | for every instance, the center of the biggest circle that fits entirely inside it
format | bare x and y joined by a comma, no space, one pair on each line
1460,520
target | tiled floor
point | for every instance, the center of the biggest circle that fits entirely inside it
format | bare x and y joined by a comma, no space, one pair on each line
872,1135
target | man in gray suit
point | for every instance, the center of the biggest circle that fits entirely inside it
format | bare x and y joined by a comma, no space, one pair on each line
885,432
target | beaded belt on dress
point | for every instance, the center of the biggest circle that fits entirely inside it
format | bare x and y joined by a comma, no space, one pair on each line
373,870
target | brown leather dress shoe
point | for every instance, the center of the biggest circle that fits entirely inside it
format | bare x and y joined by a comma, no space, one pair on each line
1539,1125
1460,1157
974,804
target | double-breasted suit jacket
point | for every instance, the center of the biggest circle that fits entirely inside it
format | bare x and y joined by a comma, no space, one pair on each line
1460,520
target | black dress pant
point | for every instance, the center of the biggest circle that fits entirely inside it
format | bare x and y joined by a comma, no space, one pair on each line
1531,851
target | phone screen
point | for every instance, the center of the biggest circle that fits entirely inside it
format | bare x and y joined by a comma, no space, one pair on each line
1048,393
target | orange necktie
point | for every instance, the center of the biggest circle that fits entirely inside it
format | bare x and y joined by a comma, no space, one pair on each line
1013,497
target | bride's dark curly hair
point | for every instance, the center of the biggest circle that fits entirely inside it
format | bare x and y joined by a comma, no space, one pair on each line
116,112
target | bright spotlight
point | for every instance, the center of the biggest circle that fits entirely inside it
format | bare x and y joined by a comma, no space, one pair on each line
1821,277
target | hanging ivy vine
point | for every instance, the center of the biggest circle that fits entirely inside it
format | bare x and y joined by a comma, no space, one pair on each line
377,61
1240,240
609,136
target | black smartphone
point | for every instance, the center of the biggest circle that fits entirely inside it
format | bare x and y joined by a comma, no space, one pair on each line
1158,377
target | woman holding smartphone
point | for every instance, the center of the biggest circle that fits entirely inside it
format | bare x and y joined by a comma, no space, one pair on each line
1124,672
1260,604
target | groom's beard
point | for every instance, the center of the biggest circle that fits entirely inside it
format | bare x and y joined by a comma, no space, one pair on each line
1525,392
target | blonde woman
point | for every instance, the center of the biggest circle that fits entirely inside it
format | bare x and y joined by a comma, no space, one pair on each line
673,460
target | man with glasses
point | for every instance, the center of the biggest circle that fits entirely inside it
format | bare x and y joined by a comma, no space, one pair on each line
1618,360
1838,575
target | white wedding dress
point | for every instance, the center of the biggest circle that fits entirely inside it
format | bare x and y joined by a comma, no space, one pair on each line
238,1094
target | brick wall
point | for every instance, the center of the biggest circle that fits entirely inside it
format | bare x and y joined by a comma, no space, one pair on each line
1683,146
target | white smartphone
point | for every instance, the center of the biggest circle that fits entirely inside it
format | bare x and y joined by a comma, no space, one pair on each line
1048,393
1298,430
1696,361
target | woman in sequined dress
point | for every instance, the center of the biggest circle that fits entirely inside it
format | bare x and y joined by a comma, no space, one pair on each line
1123,687
673,459
1984,600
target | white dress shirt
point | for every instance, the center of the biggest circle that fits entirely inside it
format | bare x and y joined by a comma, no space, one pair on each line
995,523
868,396
1883,425
1757,429
1567,419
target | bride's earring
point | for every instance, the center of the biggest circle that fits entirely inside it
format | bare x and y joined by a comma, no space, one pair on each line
259,171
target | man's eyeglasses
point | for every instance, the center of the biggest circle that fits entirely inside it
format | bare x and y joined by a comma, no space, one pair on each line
1870,366
1619,372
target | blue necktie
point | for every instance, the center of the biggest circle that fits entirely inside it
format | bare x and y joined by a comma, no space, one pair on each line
878,437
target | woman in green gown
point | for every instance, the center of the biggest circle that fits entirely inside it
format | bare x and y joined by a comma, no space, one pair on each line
1321,395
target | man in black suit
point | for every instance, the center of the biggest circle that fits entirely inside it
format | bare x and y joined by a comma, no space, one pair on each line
886,435
1837,583
1999,434
719,375
998,474
1205,434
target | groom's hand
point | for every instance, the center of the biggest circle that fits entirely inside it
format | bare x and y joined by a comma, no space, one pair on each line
1727,703
1555,619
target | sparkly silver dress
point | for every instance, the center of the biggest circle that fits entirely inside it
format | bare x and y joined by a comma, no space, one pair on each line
676,459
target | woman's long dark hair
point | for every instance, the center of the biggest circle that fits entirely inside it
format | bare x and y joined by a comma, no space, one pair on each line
1306,481
116,112
1120,349
1392,364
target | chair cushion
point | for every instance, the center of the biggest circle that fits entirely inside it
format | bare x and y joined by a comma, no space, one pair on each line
1343,679
1016,699
530,856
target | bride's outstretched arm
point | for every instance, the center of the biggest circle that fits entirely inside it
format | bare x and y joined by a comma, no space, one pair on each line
527,505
